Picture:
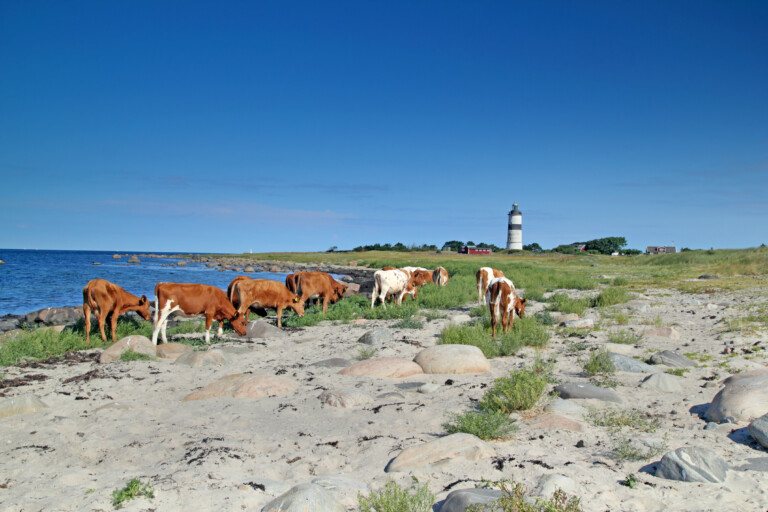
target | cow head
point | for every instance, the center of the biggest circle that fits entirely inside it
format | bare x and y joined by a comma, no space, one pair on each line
520,307
238,323
143,308
340,290
296,305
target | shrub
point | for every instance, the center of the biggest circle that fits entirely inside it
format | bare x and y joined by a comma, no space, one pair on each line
610,296
534,293
472,334
365,353
524,332
565,304
599,367
520,391
679,372
393,498
486,425
625,337
133,489
630,481
617,419
409,323
514,499
625,449
544,318
620,281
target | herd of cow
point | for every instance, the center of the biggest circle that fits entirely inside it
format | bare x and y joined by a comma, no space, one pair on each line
245,295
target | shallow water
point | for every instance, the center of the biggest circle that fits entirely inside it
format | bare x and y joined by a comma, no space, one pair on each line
36,279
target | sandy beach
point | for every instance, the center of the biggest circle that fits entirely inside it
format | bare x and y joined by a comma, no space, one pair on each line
107,423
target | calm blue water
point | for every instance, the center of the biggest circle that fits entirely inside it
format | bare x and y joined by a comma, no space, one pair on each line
32,280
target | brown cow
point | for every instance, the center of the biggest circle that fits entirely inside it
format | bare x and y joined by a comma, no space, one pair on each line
235,302
264,293
105,298
484,276
503,302
195,299
290,281
440,276
319,285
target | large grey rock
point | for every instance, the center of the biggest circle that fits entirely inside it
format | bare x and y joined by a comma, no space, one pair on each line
9,324
452,359
441,451
628,364
693,465
305,498
672,359
583,390
663,382
56,316
21,404
376,337
196,359
137,343
759,430
262,329
134,259
744,397
461,499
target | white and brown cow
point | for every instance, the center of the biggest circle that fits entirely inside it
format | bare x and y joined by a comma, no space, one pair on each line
440,276
194,299
503,302
105,298
484,276
397,282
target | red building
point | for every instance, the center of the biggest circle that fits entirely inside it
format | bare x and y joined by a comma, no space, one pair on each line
471,249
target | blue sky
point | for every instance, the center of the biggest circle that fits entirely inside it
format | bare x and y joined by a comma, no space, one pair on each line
297,126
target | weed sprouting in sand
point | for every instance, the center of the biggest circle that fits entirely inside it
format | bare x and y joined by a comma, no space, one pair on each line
487,425
133,489
394,498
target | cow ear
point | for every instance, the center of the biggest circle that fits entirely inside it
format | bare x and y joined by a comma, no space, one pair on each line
142,300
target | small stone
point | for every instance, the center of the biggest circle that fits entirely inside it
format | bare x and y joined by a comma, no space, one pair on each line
709,276
663,332
262,329
693,465
305,498
548,484
376,337
580,443
566,407
628,364
672,359
711,425
461,499
581,323
428,388
662,382
344,398
583,390
196,359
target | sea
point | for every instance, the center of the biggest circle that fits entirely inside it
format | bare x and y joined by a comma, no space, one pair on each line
35,279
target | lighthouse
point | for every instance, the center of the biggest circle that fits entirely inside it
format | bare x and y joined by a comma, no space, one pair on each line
515,229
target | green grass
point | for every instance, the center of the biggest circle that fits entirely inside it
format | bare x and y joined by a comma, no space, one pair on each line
565,304
610,297
514,498
524,332
617,419
364,353
678,372
487,425
393,498
409,323
520,391
625,337
599,368
130,355
630,481
133,489
624,449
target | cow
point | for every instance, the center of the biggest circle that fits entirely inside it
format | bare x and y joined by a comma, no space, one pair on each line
440,276
484,276
105,298
195,299
319,285
233,299
397,282
503,302
265,293
290,281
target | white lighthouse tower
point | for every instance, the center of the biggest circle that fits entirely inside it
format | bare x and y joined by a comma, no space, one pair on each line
515,229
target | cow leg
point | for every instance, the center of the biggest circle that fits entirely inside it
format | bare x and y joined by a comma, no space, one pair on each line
162,320
208,323
220,330
102,321
279,316
113,324
325,304
494,320
480,295
87,313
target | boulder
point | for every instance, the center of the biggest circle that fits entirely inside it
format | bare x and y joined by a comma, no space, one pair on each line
21,404
352,289
181,263
248,385
744,397
393,367
344,398
196,359
138,343
672,359
581,323
376,337
693,465
55,316
249,269
134,259
116,256
441,451
461,499
662,382
305,498
9,324
759,430
628,364
663,332
262,329
583,390
172,350
452,359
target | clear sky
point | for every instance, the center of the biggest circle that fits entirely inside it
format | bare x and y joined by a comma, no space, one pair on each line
300,125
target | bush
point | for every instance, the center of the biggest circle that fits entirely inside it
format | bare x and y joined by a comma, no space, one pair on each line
564,304
610,297
133,489
599,367
472,334
486,425
393,498
514,499
520,391
616,419
409,323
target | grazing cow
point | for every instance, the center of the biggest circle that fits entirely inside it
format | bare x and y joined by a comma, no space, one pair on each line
195,299
397,282
440,276
105,298
264,293
319,285
503,302
421,277
233,299
290,281
484,276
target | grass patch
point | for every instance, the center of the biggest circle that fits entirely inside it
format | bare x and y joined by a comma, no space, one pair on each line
130,355
393,498
565,304
625,449
535,293
630,481
544,318
610,297
678,372
524,332
133,489
364,353
434,315
616,419
409,323
701,358
520,391
625,337
514,498
487,425
599,368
